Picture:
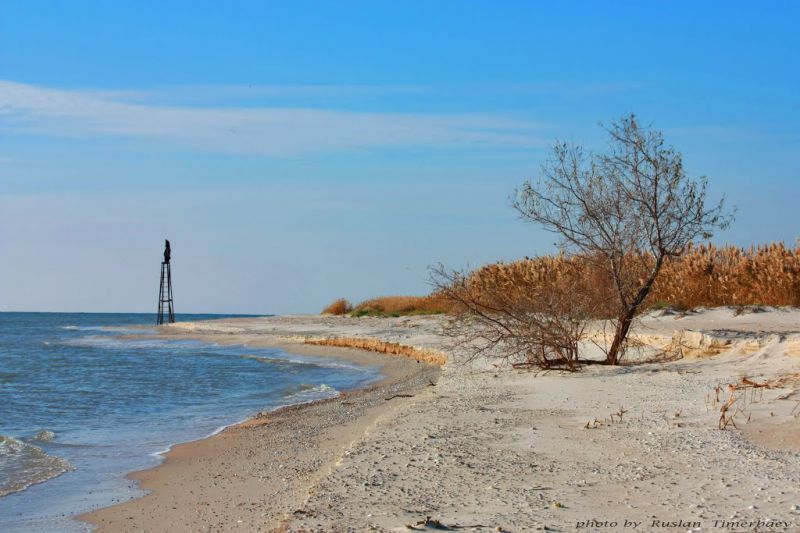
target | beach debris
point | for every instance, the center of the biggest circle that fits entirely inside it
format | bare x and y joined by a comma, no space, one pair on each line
593,424
399,396
724,418
433,523
619,414
596,423
751,383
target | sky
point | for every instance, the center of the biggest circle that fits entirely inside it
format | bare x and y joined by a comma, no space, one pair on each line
297,152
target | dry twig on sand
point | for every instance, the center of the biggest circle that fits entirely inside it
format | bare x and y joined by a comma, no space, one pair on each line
429,522
399,396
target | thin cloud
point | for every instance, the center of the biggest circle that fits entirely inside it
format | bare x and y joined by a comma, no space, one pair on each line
205,93
273,131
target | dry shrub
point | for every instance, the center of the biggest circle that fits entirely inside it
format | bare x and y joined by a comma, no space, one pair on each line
521,284
526,317
403,305
338,307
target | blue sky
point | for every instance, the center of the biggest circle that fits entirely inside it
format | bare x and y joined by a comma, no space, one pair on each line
295,152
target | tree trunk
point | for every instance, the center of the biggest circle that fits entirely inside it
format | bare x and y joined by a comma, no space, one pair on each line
626,319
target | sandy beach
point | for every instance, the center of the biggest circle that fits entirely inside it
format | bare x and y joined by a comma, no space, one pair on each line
496,449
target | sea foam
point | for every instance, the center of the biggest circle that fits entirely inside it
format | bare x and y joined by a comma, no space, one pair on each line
22,464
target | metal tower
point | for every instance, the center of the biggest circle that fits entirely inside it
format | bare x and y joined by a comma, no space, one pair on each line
165,311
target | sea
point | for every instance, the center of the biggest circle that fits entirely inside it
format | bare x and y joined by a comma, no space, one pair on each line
86,398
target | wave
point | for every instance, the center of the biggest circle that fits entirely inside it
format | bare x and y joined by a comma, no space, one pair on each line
220,429
84,328
309,393
44,435
146,343
305,393
110,329
311,361
23,464
102,341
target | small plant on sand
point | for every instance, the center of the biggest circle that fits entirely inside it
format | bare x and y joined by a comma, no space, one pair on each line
338,307
610,421
734,399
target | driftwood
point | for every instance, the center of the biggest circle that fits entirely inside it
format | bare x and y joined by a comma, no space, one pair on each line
399,396
429,522
751,383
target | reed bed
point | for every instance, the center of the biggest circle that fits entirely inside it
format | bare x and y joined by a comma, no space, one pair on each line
390,348
402,305
707,276
704,276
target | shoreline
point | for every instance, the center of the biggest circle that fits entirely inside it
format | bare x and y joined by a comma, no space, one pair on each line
489,447
398,376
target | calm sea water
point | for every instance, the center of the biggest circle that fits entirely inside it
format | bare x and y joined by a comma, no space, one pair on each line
80,406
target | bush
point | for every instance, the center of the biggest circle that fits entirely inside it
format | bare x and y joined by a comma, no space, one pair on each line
403,305
539,322
338,307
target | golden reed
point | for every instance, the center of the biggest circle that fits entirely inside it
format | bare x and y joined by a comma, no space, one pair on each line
704,276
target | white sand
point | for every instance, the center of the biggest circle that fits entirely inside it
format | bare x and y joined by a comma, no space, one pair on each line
500,448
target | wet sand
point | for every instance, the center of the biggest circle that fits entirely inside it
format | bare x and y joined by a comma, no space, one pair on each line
254,475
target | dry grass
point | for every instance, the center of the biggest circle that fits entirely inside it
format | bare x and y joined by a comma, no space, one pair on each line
713,276
402,305
740,396
338,307
391,348
704,276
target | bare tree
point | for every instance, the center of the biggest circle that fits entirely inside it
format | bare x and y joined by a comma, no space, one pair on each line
628,209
